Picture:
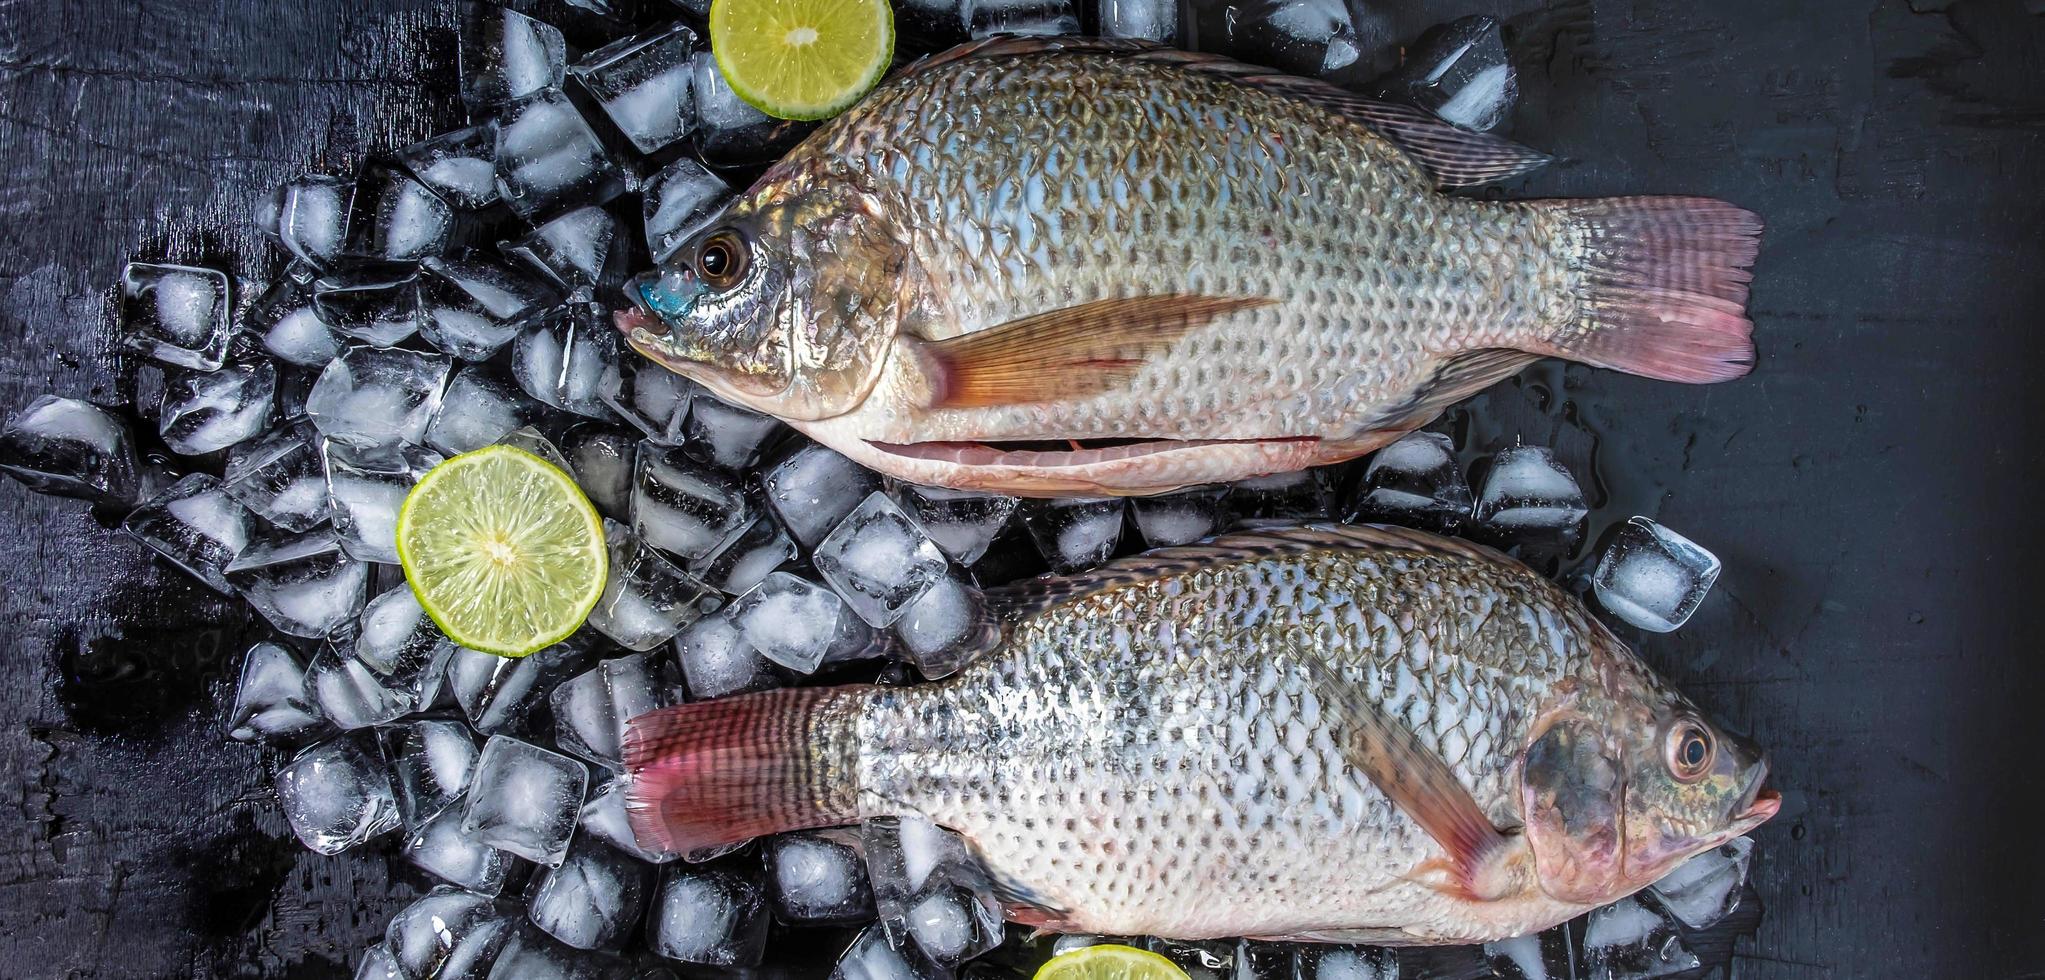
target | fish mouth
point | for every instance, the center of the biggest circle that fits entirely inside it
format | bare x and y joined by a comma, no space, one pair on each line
1056,454
633,318
1762,803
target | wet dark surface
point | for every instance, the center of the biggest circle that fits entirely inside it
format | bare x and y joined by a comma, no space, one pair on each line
1871,489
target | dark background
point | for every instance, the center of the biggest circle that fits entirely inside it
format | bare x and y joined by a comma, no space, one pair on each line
1872,488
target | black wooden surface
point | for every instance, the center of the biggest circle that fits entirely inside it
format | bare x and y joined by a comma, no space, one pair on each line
1872,489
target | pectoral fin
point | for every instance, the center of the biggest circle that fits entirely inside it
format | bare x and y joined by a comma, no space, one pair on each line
1073,352
1420,783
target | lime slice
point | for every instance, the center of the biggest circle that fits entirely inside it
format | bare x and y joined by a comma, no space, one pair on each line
503,550
1109,962
802,59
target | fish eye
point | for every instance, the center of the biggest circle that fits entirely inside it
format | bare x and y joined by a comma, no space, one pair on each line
1690,751
721,260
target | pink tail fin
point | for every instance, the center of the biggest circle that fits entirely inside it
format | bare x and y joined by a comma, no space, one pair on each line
719,772
1665,291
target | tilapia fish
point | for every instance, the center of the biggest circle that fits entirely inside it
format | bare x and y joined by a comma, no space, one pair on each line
1045,266
1351,734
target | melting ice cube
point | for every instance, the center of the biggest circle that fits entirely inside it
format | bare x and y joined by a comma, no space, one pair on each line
407,220
582,247
506,56
280,478
562,361
985,18
1318,962
524,799
176,314
448,933
1300,495
871,957
548,157
1415,482
1306,37
723,435
1181,517
962,523
304,584
945,628
1706,888
204,412
497,694
271,702
1653,577
591,709
680,201
1626,939
683,508
602,456
709,914
604,819
73,448
1542,956
650,397
533,955
475,304
335,794
431,762
478,409
313,215
879,560
372,397
815,880
643,84
592,899
365,489
197,526
813,488
291,328
460,167
1074,533
377,303
1527,489
729,131
441,849
1149,20
354,696
716,660
746,559
797,623
1460,72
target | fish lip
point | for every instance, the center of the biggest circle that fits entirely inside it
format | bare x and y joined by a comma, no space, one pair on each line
1762,803
634,318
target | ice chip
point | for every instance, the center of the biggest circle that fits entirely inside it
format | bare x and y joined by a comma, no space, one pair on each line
643,84
879,560
1627,940
743,561
962,523
581,248
477,409
1705,889
1074,533
871,957
591,708
176,314
1147,20
714,915
1527,489
602,457
795,622
313,217
1301,495
204,412
815,880
506,56
197,526
680,201
440,848
729,132
684,508
1653,577
498,693
592,899
1415,482
1180,517
448,933
946,628
290,327
813,488
650,397
304,584
1305,37
271,702
725,436
336,795
524,799
717,661
407,221
460,166
1458,71
547,157
374,397
604,819
71,448
431,761
365,489
986,18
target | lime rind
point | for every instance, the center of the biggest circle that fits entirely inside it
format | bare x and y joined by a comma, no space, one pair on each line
1109,961
787,106
503,551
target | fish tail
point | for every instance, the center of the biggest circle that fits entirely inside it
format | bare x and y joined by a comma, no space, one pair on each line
719,772
1664,287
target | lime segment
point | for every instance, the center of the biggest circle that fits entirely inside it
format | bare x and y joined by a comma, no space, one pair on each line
503,550
1109,962
802,59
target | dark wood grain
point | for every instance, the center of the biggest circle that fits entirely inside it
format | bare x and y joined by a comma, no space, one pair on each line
1872,489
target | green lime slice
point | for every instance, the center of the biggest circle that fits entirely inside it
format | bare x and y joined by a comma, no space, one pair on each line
1109,962
503,550
802,59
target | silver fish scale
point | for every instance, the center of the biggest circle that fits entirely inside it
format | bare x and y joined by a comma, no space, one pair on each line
1145,760
1029,184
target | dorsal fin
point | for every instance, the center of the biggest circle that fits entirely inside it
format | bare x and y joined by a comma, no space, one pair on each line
1453,157
1029,596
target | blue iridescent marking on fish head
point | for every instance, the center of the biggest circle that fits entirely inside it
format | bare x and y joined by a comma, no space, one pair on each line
670,295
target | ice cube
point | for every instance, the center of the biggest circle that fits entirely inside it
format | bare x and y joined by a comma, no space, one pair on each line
562,360
1301,495
271,703
946,628
797,623
1541,956
1257,960
477,409
313,214
370,396
683,508
985,18
1148,20
291,328
530,440
378,964
204,412
336,795
1653,577
197,526
536,363
604,819
304,584
726,436
743,562
548,157
1319,962
1305,37
715,915
1415,481
353,696
591,708
439,848
365,488
497,693
72,448
962,523
952,924
592,899
716,660
1458,71
649,396
1527,489
817,880
680,201
533,955
431,761
729,131
176,314
813,488
1181,517
1705,889
280,478
506,56
448,933
643,84
1074,533
377,303
647,598
460,167
871,957
581,248
916,869
602,457
1626,940
879,560
524,799
406,221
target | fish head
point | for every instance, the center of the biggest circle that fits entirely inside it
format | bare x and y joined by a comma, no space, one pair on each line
1617,794
787,303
